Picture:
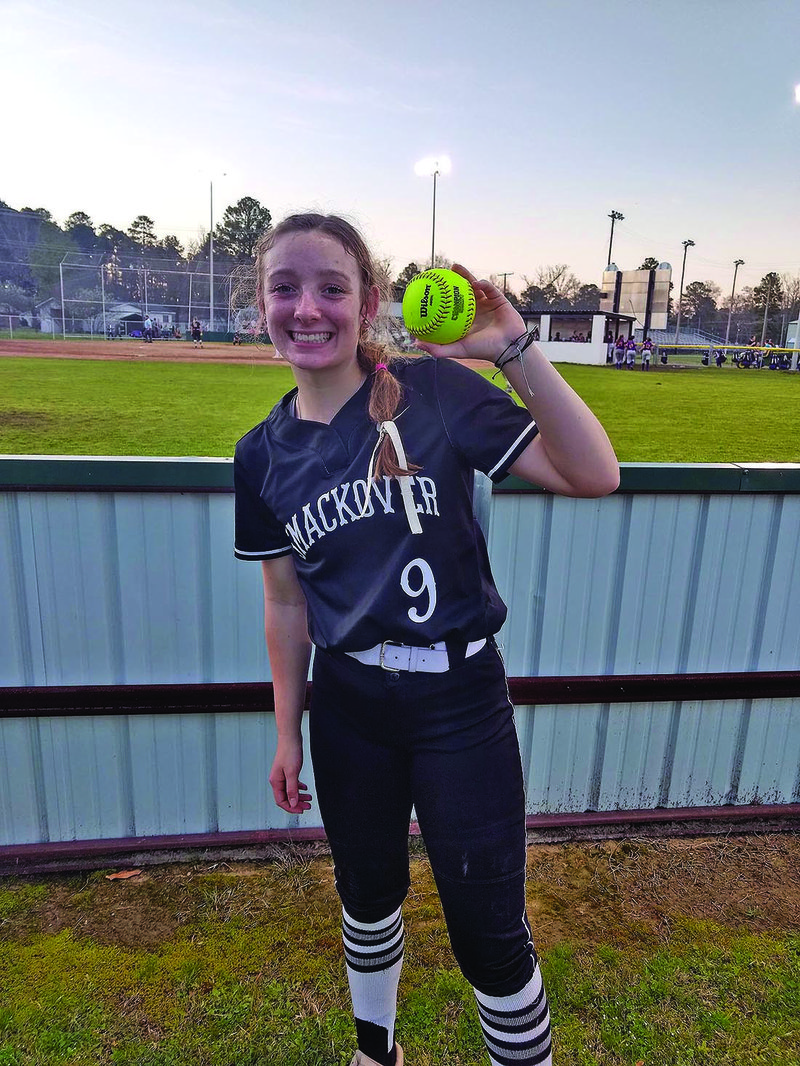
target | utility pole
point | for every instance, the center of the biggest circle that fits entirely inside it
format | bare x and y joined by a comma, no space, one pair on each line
504,275
615,216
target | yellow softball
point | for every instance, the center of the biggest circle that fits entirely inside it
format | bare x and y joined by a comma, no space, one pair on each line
439,306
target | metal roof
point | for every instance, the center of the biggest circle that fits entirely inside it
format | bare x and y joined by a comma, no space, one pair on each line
577,313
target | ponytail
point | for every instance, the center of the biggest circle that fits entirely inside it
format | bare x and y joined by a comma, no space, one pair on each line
384,398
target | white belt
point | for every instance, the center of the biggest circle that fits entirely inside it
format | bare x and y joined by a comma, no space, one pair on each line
430,660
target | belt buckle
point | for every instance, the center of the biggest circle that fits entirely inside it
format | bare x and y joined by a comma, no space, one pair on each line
382,661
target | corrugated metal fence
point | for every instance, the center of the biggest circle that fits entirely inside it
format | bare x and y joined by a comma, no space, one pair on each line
120,573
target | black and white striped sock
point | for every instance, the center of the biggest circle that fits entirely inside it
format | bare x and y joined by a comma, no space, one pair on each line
517,1028
374,956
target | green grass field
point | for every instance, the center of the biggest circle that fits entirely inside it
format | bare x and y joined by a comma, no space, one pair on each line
241,964
85,407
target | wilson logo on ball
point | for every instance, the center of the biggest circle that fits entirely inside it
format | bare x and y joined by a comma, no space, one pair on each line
439,306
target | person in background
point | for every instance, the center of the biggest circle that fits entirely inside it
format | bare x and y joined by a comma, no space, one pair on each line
619,352
630,353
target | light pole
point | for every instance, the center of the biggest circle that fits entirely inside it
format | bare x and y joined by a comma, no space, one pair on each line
61,276
433,166
736,264
211,257
615,216
766,312
211,261
686,246
796,345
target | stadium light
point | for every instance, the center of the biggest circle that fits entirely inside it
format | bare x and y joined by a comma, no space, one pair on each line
736,264
615,216
797,94
766,311
686,246
211,257
433,166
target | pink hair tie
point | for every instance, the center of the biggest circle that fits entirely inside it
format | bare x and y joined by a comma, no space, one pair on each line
381,366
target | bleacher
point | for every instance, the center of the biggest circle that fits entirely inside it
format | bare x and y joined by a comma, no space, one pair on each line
398,335
696,337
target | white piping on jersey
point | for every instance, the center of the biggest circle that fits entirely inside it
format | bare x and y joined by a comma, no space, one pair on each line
500,462
404,481
266,551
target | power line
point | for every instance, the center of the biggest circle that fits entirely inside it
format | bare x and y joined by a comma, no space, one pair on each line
720,264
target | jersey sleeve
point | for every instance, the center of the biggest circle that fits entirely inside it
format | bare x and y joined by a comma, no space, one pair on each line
481,421
259,534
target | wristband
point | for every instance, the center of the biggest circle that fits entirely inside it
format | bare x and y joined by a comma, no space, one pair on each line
519,345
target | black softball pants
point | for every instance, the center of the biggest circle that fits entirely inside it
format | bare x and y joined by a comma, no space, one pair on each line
445,743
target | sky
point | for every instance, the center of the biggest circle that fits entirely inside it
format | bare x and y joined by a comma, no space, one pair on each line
680,114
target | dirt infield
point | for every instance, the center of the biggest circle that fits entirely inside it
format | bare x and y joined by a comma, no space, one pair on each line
157,352
126,350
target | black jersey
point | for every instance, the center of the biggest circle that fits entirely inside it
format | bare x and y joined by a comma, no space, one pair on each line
302,487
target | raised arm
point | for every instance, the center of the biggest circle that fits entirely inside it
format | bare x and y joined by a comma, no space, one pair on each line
289,651
571,454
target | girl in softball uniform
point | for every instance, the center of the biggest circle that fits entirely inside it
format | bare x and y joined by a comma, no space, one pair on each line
356,495
630,353
619,352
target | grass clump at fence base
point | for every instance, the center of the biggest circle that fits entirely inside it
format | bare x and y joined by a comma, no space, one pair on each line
653,953
89,407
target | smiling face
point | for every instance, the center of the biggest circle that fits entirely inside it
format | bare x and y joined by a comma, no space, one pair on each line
313,301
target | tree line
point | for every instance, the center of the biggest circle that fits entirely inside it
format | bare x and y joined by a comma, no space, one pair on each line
777,296
33,245
138,266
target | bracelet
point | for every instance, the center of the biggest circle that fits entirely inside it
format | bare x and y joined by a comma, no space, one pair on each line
519,345
526,338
